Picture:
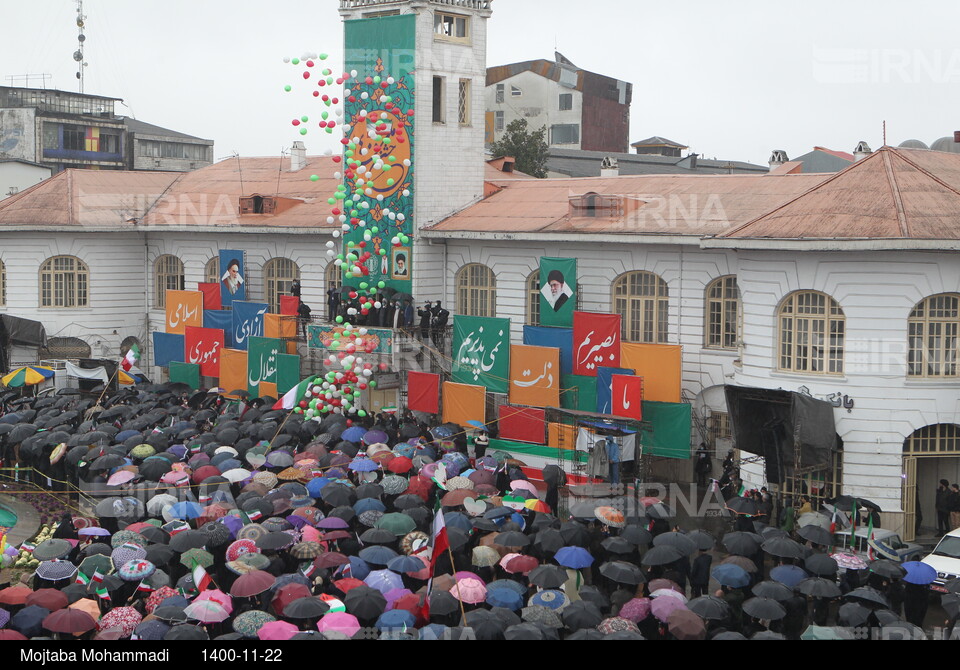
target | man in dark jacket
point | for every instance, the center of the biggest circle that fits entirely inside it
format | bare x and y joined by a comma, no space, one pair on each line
794,623
943,507
700,574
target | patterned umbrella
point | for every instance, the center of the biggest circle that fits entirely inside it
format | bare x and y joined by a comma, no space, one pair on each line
122,537
551,599
636,609
51,549
248,623
194,557
248,563
252,531
136,570
485,557
153,630
241,547
127,552
158,596
56,570
206,611
394,485
306,550
219,597
124,618
849,561
542,615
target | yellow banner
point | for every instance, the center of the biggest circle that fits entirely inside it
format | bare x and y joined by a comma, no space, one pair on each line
534,376
568,433
659,365
463,403
184,308
233,370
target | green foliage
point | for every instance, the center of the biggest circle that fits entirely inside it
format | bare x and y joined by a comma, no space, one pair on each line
529,149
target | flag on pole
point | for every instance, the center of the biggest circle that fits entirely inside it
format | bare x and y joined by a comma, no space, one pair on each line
133,355
201,578
28,547
97,577
834,520
293,397
102,593
870,537
82,578
440,541
853,525
144,587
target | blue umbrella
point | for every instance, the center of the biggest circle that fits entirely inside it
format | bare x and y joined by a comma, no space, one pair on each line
404,449
551,599
574,557
368,504
353,434
441,432
358,568
504,597
363,465
731,575
509,584
396,619
788,575
152,630
377,555
315,485
402,564
919,573
29,620
433,631
476,424
385,580
185,510
457,520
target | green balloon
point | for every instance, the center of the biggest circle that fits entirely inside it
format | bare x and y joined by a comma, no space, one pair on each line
390,182
364,285
332,201
382,252
324,56
304,118
288,88
314,177
361,413
303,131
339,319
372,384
382,284
295,61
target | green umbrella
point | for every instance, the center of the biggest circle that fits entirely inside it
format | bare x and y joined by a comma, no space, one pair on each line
96,563
122,537
397,523
142,451
194,557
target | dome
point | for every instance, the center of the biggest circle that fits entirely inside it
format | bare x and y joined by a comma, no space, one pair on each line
946,144
913,144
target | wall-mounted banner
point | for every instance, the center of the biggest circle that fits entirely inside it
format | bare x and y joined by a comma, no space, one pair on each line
534,376
184,308
558,291
523,424
579,393
185,373
289,305
628,397
233,282
167,347
203,347
211,296
660,367
280,326
596,342
221,320
263,362
233,370
375,341
481,352
561,338
248,320
288,372
463,403
605,388
423,392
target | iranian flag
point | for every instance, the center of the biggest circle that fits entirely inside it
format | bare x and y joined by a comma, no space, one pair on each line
201,578
293,397
133,355
440,541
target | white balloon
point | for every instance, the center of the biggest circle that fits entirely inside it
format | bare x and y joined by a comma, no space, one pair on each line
367,373
336,233
330,244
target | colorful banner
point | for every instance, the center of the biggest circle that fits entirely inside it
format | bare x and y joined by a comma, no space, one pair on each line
233,283
290,305
379,48
523,424
481,352
288,372
375,341
558,291
660,367
202,347
423,392
267,390
184,308
605,387
627,397
596,342
248,321
220,320
279,326
167,347
520,451
262,361
669,433
534,376
185,373
233,370
560,338
562,436
463,403
211,296
579,393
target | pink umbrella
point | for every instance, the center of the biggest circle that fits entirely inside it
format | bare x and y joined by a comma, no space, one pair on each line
121,477
669,593
506,559
340,622
277,630
523,484
174,477
311,534
424,574
663,607
393,595
636,610
206,611
471,591
219,597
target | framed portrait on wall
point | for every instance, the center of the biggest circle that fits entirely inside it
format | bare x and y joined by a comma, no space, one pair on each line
400,263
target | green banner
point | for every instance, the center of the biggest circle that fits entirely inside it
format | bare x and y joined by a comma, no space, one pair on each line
558,291
481,352
521,449
379,178
578,392
263,362
185,373
669,434
288,372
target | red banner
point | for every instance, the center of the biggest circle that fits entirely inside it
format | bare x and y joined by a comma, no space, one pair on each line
522,424
596,342
289,305
211,295
627,396
203,347
423,392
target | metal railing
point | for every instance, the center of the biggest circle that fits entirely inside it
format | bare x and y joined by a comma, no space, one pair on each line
465,4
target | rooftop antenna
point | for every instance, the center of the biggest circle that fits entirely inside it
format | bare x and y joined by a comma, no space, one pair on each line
81,39
884,132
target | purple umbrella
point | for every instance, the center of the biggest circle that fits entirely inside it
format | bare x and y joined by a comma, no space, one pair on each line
636,610
663,607
384,580
374,437
93,530
333,523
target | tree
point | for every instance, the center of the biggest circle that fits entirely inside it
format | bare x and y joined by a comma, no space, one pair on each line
530,150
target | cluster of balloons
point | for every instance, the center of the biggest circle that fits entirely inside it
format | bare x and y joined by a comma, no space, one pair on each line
309,61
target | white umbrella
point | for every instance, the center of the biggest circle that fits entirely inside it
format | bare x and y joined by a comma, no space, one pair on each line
158,503
236,475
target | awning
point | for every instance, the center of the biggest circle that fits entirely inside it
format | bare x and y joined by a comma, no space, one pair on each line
24,331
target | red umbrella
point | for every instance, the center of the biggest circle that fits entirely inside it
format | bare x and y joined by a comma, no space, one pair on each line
348,583
205,472
420,486
253,583
15,595
521,565
287,595
11,635
336,535
330,560
72,621
51,599
311,514
158,596
400,465
483,478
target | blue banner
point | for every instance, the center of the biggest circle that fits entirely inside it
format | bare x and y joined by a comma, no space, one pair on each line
605,387
168,348
248,318
233,277
220,320
560,338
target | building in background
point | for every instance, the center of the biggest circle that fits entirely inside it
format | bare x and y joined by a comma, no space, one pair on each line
17,174
580,109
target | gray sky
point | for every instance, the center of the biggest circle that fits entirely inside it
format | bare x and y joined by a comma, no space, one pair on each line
732,79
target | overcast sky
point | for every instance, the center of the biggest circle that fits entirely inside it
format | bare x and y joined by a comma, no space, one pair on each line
732,79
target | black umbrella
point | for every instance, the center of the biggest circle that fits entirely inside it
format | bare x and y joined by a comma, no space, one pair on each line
21,432
306,608
443,603
782,547
364,602
120,508
188,539
549,539
186,632
548,576
29,620
818,587
816,534
709,608
741,505
575,534
887,569
767,609
661,556
625,573
274,541
338,495
741,543
636,535
821,564
160,554
773,590
155,468
678,541
660,511
524,631
618,546
704,540
846,503
869,596
106,462
581,614
853,614
378,536
512,539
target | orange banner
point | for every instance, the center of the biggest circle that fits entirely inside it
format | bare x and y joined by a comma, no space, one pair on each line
233,370
568,433
279,326
184,308
463,403
267,389
534,376
659,365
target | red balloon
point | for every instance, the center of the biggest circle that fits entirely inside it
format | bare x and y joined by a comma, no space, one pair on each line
316,93
296,122
306,75
363,387
337,159
309,63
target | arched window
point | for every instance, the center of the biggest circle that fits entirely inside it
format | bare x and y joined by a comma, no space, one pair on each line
642,300
3,284
476,291
934,326
211,271
64,282
278,274
533,298
168,276
812,329
722,329
64,347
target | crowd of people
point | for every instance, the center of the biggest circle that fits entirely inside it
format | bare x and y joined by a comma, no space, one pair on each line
200,517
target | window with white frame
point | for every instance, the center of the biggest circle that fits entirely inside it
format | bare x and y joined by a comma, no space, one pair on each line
934,327
476,291
168,276
722,329
812,328
64,282
642,301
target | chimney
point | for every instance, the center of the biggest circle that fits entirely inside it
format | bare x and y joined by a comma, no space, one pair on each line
862,151
609,167
693,161
777,158
298,156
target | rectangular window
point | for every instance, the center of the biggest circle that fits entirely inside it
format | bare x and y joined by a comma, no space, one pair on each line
500,92
51,136
463,103
515,92
565,133
498,122
439,104
566,102
451,27
74,139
